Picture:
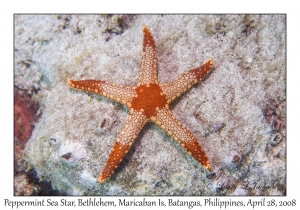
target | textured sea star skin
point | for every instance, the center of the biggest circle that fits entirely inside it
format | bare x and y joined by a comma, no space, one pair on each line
149,101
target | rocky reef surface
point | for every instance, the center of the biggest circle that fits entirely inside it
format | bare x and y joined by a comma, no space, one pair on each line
237,113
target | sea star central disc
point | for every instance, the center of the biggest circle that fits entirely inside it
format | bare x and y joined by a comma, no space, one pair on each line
149,99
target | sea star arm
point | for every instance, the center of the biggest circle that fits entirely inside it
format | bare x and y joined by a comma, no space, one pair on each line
166,120
148,73
135,123
185,81
115,92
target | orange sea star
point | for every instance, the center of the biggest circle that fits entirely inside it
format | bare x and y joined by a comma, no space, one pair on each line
149,101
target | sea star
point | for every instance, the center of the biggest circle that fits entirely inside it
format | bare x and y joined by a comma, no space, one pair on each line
149,101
